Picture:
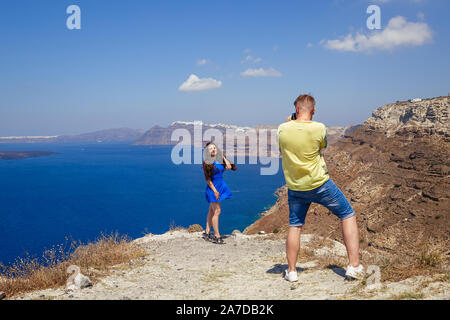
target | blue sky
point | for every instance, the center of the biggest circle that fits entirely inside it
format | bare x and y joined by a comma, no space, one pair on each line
250,60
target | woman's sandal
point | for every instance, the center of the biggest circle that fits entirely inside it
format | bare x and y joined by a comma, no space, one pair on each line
207,236
218,240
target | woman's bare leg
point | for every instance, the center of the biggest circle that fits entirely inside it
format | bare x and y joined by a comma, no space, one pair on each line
215,218
209,219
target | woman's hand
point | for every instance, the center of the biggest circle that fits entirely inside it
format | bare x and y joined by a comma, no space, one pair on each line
217,194
228,165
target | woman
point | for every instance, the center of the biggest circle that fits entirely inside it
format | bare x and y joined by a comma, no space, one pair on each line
216,190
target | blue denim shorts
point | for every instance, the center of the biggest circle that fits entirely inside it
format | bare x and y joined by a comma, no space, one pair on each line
328,195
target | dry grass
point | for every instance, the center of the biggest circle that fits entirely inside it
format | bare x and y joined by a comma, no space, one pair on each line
445,277
318,242
94,259
174,227
195,228
214,276
431,255
305,255
408,296
429,260
191,229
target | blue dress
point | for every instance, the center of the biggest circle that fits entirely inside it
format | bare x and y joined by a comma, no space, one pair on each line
219,184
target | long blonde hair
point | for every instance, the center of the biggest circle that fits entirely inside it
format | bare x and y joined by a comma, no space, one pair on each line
208,168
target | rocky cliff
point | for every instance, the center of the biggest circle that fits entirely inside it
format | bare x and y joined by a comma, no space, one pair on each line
420,117
394,169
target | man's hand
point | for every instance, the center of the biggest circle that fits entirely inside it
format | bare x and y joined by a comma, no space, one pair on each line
289,118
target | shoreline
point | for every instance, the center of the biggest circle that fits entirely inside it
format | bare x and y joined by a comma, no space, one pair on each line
251,229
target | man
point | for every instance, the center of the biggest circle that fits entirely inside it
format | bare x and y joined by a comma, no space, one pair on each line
301,141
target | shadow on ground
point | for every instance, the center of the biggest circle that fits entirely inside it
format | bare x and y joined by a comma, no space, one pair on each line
279,269
338,270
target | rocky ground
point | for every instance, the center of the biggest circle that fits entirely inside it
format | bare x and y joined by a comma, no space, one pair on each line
181,265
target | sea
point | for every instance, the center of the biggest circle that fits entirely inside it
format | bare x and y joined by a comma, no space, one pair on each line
88,189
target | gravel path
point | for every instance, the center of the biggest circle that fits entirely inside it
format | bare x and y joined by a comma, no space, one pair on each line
181,265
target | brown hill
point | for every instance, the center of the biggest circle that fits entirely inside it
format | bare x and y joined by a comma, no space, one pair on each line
394,169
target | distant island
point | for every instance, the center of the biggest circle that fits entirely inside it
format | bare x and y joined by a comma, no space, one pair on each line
156,135
118,135
12,155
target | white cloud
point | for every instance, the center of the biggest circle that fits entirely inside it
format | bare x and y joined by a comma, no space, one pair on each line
247,58
399,32
194,83
271,72
309,45
250,58
202,62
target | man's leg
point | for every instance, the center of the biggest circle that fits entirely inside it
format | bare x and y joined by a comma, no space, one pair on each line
293,247
298,207
330,196
351,239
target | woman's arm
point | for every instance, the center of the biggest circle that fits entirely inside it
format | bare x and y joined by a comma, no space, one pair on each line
229,165
210,184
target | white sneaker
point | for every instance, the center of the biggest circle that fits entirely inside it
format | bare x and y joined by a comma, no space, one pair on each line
290,276
355,272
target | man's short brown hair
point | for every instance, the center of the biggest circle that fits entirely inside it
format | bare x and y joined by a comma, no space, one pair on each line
305,100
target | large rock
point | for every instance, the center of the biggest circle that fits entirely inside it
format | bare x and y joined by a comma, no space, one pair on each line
80,282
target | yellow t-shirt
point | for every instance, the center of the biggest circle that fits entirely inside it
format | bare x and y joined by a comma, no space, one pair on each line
300,143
